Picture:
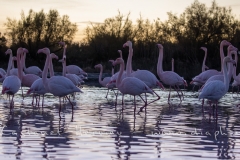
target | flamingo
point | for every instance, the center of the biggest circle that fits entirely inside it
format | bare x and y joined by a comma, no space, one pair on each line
215,90
37,87
12,83
74,69
236,79
168,77
231,50
203,77
130,85
204,67
32,69
105,80
57,85
144,75
2,74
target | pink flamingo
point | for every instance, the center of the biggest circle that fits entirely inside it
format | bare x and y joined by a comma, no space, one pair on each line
12,83
74,69
37,88
236,79
216,89
203,77
105,80
204,67
168,77
130,85
144,75
32,69
231,50
57,85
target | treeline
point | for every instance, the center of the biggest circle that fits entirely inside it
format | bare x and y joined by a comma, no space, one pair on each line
181,36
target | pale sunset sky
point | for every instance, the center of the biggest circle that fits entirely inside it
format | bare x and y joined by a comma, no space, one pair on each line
82,12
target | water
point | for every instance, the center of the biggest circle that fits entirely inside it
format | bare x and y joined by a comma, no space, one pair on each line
100,130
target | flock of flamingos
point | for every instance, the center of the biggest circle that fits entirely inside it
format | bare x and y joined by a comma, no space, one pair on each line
214,84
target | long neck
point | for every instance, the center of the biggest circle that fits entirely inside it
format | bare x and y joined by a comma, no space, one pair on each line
100,75
51,71
45,70
226,79
19,66
160,59
204,60
129,62
173,65
64,68
221,56
24,61
112,70
9,64
119,78
64,50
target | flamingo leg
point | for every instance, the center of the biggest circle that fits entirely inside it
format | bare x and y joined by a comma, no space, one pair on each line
42,100
11,104
145,105
202,107
107,94
70,102
178,93
134,104
59,110
169,94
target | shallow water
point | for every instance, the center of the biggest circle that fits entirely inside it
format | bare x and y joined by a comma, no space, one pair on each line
100,130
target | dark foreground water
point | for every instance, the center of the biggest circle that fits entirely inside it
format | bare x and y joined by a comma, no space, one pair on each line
100,130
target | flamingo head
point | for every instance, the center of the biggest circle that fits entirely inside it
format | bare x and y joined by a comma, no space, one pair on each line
63,59
228,59
204,49
44,50
29,91
61,43
111,83
98,66
225,43
118,61
9,51
5,90
25,50
160,46
232,48
128,43
14,58
54,56
185,83
111,61
160,85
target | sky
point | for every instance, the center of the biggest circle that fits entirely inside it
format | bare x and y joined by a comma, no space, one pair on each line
82,12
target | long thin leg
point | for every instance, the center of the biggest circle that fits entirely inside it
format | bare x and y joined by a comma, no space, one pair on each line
202,107
59,111
107,94
42,100
169,94
177,93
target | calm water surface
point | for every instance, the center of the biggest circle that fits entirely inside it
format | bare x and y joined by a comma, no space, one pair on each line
100,130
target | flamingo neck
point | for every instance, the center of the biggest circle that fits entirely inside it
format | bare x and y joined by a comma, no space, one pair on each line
204,61
45,70
100,75
64,67
129,62
19,66
221,56
9,64
24,61
51,71
112,70
160,59
234,73
119,78
226,79
64,51
173,66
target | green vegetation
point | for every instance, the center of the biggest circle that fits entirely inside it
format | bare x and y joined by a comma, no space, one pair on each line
181,36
